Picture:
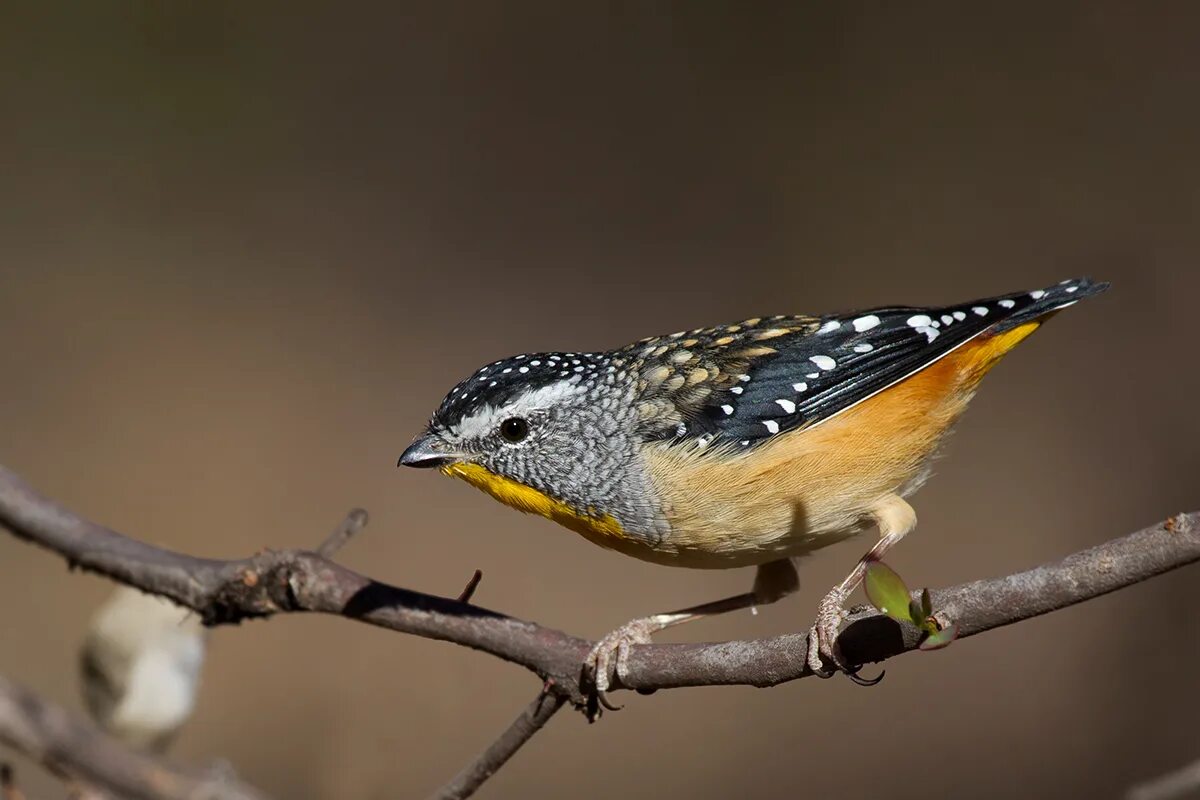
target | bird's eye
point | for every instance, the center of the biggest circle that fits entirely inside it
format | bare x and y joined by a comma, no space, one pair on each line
514,429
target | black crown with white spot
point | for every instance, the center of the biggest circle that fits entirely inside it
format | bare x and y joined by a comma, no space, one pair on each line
501,381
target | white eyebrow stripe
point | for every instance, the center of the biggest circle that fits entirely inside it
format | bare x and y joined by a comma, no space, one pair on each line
484,420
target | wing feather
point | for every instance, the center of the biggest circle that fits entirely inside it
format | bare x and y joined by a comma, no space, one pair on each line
817,371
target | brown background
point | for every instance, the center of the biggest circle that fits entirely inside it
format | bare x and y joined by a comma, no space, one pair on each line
246,250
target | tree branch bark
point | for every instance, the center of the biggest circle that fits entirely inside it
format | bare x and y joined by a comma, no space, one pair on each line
225,592
63,743
1175,785
528,722
271,582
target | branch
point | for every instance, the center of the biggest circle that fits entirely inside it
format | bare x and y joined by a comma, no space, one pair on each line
1175,785
62,743
976,607
469,590
225,592
354,522
296,580
528,722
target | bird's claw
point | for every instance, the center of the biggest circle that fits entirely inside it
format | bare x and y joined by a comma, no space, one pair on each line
599,662
822,637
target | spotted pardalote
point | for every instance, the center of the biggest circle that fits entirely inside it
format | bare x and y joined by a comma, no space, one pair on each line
737,445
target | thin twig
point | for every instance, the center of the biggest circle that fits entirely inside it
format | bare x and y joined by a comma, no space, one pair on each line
1179,783
77,791
469,590
70,746
354,522
528,722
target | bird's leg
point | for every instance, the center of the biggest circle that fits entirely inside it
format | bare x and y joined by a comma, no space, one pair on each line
895,518
772,582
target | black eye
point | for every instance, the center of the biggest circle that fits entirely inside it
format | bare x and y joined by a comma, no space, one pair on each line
514,429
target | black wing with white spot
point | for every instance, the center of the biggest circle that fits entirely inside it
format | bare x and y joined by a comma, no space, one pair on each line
811,376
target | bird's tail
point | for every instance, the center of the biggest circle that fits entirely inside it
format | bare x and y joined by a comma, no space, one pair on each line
1027,312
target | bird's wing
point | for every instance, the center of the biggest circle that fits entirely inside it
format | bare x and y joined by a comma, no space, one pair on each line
813,371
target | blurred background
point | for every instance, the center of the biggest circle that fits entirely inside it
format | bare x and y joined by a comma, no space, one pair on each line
246,248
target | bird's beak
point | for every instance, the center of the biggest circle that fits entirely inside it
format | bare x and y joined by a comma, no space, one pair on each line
427,451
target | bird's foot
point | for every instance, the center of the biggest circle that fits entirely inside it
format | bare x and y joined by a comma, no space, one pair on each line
822,637
599,662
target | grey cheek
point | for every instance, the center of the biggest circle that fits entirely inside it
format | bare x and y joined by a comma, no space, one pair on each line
509,461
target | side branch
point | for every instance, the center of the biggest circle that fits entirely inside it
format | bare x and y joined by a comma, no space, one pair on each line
297,580
528,722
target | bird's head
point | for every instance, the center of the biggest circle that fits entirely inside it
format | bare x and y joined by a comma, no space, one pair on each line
550,433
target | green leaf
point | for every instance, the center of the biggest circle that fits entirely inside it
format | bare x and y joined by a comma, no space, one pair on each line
887,592
936,641
915,613
926,604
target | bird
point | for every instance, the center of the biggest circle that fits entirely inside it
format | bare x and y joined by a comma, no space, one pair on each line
746,444
140,667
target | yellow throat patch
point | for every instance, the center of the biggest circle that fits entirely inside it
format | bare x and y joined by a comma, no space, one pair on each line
596,527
